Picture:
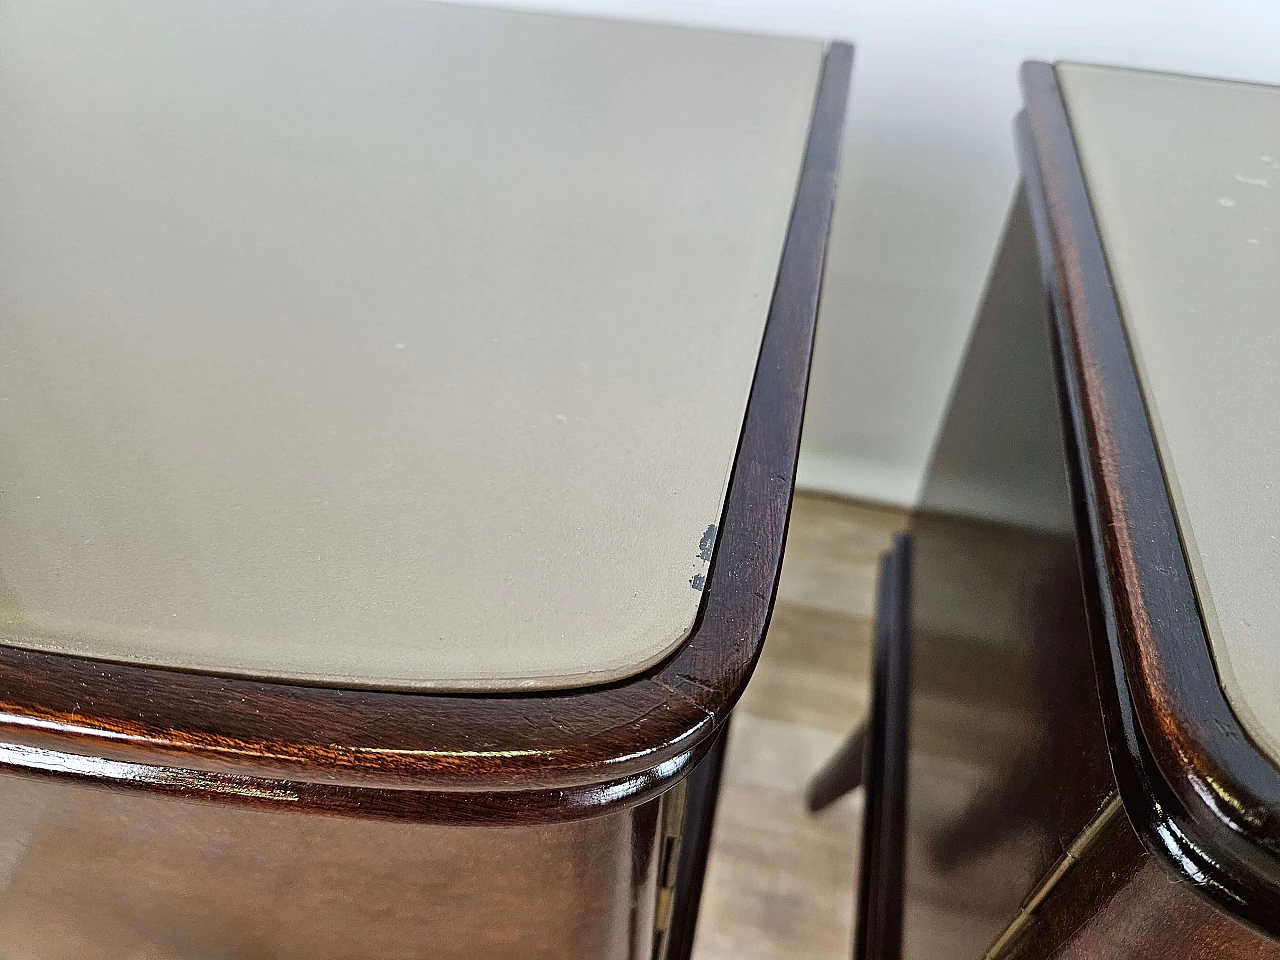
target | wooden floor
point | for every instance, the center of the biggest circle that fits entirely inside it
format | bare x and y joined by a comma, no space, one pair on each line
780,883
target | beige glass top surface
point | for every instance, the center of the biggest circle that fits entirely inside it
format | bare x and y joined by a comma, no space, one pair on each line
1184,176
371,343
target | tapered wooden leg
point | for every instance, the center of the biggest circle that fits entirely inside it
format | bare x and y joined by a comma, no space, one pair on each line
842,773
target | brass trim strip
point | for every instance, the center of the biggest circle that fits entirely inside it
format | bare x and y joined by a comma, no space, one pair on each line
1083,845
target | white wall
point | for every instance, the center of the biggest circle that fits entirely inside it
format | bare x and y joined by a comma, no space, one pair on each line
928,174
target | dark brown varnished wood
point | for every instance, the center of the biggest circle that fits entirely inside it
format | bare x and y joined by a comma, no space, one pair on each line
96,874
1103,675
880,881
1008,753
843,773
695,846
1121,902
470,759
1202,798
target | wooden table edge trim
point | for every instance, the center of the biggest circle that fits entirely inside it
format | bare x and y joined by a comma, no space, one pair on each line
1202,797
492,758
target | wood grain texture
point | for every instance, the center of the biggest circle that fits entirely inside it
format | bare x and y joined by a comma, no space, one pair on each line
1202,797
1120,903
105,874
468,759
1196,285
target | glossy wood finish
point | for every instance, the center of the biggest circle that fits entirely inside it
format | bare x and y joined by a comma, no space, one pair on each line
1201,797
469,759
1121,903
103,874
1154,148
690,864
1075,679
880,883
1008,756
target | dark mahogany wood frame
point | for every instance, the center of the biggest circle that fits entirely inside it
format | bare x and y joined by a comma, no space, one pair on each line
480,758
1202,797
882,876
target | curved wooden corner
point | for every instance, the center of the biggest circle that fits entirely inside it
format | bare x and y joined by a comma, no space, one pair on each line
457,758
1202,797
